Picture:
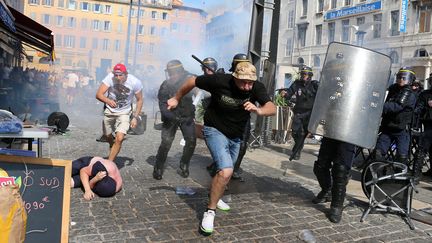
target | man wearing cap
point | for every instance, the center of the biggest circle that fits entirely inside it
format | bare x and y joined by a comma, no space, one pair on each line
97,176
233,98
117,91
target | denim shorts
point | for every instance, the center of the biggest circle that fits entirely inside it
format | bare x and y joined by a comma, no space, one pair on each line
224,151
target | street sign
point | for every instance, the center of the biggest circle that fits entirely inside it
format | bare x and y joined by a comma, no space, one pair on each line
403,16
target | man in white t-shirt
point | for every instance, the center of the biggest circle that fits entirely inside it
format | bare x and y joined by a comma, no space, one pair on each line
117,91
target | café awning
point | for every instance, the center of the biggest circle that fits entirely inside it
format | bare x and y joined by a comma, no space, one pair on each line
32,33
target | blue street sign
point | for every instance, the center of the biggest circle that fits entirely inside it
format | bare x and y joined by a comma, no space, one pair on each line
403,16
6,18
359,9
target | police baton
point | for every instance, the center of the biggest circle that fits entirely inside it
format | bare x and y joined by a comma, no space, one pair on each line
203,64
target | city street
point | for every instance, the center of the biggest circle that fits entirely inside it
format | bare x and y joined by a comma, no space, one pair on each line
273,204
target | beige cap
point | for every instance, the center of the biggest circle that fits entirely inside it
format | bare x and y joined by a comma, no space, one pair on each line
245,70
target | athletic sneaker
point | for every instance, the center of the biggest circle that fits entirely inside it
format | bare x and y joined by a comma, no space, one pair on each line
207,222
222,205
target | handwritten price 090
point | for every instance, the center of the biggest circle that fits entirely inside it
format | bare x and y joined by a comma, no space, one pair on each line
29,206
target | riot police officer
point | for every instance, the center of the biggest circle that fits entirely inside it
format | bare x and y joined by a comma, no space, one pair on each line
305,90
397,116
424,111
182,117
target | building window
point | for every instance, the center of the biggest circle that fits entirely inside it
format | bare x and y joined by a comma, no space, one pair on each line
331,32
425,21
394,57
59,21
58,40
105,44
153,14
95,25
151,48
140,47
85,6
288,47
153,30
320,6
46,19
163,31
317,61
377,26
69,41
83,24
108,9
421,53
305,9
83,41
120,11
33,16
72,5
164,16
96,8
60,3
302,29
71,23
120,28
107,26
94,43
318,34
174,27
141,13
47,2
117,45
33,2
345,30
290,19
347,2
333,4
394,25
360,21
140,29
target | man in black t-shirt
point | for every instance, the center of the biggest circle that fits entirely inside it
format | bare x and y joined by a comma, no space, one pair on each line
233,98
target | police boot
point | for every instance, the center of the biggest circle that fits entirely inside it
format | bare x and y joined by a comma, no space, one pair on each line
298,146
418,166
184,169
157,171
340,177
188,151
323,176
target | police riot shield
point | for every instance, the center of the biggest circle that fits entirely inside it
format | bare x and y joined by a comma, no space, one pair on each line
351,93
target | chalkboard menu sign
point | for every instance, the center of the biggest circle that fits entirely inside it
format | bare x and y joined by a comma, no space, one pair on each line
44,186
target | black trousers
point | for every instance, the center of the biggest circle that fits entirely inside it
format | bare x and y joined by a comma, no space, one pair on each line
299,131
169,129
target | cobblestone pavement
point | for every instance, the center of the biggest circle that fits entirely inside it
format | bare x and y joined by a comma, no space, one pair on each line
271,205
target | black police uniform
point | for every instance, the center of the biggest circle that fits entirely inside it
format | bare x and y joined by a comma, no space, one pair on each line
332,170
305,92
424,111
183,117
396,119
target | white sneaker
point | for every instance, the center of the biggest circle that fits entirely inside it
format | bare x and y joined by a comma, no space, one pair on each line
222,205
207,222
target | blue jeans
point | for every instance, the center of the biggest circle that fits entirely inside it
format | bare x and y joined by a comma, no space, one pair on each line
224,151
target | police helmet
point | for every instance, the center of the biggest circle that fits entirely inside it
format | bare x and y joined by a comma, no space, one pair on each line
211,63
240,57
407,74
306,70
174,67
